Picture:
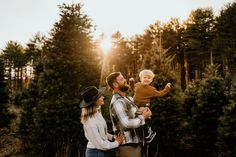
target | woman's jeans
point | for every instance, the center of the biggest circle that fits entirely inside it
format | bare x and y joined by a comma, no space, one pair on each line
92,152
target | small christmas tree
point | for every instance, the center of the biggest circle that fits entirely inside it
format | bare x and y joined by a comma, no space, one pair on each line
167,111
226,130
210,99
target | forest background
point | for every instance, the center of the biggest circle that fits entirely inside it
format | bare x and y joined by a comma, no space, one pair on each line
40,84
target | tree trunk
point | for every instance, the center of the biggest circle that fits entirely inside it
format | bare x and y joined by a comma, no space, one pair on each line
182,68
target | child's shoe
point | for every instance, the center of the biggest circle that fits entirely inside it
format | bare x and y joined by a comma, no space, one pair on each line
151,136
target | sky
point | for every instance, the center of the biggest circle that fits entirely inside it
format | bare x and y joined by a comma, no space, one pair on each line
20,20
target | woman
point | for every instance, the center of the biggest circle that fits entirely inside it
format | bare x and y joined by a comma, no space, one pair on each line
95,127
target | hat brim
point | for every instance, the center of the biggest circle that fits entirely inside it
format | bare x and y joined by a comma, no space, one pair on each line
85,104
101,92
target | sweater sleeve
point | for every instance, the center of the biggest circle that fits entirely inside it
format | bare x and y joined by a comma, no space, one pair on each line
155,93
110,137
97,140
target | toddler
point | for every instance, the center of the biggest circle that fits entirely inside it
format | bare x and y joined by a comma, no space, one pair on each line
143,93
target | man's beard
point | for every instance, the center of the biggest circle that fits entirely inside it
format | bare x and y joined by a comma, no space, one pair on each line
124,88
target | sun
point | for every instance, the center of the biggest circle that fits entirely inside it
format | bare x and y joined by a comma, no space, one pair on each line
105,45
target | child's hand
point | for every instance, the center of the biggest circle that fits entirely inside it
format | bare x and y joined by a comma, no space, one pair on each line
131,80
168,85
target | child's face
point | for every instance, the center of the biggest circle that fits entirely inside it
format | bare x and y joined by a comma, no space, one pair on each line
146,79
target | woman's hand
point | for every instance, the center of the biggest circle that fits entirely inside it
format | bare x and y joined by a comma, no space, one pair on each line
120,138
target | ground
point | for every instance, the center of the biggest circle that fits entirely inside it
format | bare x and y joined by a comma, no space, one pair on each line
10,146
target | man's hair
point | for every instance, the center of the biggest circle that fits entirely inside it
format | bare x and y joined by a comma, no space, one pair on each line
146,72
111,78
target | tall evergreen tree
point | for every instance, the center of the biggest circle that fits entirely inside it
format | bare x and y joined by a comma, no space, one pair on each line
172,39
136,56
69,64
34,50
15,61
197,39
29,97
224,44
5,116
119,57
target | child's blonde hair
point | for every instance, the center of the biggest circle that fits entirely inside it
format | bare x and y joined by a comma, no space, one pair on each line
146,72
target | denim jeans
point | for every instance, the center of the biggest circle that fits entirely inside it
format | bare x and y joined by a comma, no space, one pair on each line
91,152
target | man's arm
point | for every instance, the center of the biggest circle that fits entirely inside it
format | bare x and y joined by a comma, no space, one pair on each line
125,120
123,117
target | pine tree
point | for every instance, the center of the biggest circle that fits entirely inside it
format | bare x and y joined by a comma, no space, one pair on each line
167,111
210,99
29,100
190,102
29,97
197,38
69,64
224,42
226,131
5,116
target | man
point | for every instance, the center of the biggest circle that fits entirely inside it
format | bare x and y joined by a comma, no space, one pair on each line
124,119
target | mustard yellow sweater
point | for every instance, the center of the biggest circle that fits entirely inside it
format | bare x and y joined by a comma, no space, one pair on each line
144,93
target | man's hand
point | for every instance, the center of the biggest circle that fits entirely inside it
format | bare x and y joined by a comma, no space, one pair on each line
120,138
140,110
147,113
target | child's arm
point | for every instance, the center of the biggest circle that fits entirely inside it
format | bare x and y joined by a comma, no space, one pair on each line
163,92
168,85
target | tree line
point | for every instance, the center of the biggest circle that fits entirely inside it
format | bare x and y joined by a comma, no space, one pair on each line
197,56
